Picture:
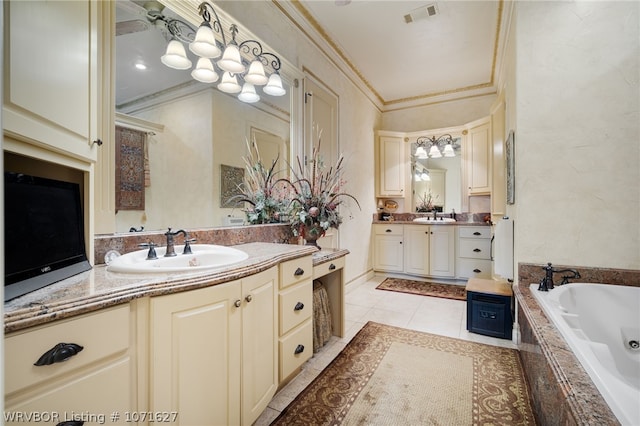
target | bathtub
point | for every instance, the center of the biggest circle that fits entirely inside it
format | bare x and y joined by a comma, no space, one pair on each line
601,324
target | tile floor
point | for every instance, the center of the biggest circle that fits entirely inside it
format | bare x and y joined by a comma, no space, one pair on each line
364,303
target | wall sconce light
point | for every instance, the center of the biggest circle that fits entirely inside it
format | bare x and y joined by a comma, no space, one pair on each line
239,75
438,147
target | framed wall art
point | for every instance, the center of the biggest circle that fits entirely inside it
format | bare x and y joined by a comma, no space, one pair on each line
511,166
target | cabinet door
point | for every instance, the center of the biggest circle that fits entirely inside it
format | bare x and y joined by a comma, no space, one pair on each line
479,160
442,253
195,355
51,75
391,169
388,253
259,343
416,249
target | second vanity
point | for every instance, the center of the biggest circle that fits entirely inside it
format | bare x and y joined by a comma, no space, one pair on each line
450,250
209,348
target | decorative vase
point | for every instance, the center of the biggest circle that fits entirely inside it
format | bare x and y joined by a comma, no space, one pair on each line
311,233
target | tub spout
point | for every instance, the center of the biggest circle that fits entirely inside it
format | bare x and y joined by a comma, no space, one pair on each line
546,283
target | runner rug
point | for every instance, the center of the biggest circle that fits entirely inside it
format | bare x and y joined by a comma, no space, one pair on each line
393,376
447,291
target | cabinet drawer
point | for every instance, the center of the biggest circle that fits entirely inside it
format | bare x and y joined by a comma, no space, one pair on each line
388,229
295,271
101,334
474,268
474,232
328,267
475,249
296,305
295,349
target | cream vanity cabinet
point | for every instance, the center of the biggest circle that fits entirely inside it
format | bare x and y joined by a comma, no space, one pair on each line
51,75
473,252
295,301
429,250
391,166
96,381
213,351
388,248
478,157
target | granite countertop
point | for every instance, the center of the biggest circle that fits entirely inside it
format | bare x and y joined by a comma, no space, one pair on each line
99,288
411,222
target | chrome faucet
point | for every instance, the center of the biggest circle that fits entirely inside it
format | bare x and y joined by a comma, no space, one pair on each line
170,248
546,283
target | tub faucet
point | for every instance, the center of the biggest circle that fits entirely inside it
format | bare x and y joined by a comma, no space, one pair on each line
170,249
546,283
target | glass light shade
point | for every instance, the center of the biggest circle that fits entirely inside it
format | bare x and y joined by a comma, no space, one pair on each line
425,176
448,151
229,83
204,44
421,152
256,74
176,57
231,60
204,71
434,152
248,94
274,86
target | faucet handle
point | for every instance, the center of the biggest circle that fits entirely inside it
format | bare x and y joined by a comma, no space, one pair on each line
151,254
187,245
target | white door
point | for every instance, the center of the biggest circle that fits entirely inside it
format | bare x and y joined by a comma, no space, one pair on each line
321,121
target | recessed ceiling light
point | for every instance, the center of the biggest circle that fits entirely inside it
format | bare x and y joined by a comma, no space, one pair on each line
141,66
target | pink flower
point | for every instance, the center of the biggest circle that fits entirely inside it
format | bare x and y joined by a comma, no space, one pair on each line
314,212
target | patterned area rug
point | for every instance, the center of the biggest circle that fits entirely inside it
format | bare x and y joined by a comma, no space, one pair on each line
393,376
447,291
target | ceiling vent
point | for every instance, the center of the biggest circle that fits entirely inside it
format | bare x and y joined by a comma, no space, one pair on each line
423,12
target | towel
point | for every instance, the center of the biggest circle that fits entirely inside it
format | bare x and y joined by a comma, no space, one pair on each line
503,256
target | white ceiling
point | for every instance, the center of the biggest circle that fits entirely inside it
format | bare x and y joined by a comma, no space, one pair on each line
451,54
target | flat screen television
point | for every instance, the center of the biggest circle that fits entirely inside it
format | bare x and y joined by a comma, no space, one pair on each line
44,233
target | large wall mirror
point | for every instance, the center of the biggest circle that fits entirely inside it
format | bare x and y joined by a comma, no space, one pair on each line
195,136
436,183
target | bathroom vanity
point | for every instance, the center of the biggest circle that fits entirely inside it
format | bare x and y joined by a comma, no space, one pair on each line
207,348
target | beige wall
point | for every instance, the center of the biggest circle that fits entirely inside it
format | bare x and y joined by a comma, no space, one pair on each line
577,133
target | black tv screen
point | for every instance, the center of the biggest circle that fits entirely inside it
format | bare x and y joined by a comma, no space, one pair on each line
44,233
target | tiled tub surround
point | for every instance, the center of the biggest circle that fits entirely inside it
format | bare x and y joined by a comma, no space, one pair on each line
562,391
98,288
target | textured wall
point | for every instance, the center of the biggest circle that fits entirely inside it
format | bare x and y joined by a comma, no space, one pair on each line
577,133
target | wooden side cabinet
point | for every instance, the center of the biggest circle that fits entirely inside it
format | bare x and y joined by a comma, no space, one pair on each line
489,308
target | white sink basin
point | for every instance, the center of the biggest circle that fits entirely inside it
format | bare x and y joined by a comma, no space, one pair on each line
431,220
204,257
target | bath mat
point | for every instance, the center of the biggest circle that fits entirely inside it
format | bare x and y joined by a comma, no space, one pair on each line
392,376
446,291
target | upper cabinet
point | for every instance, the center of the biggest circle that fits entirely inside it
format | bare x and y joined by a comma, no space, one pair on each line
51,75
391,166
478,157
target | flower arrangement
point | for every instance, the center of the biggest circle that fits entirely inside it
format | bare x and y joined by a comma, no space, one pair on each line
317,193
267,195
425,202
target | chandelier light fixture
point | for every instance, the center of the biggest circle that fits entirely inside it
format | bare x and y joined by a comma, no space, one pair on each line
239,74
438,147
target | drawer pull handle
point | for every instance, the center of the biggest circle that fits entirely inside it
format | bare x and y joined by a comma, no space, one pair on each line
237,303
299,272
249,298
477,270
388,230
477,250
71,423
299,349
332,267
299,306
60,352
477,233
